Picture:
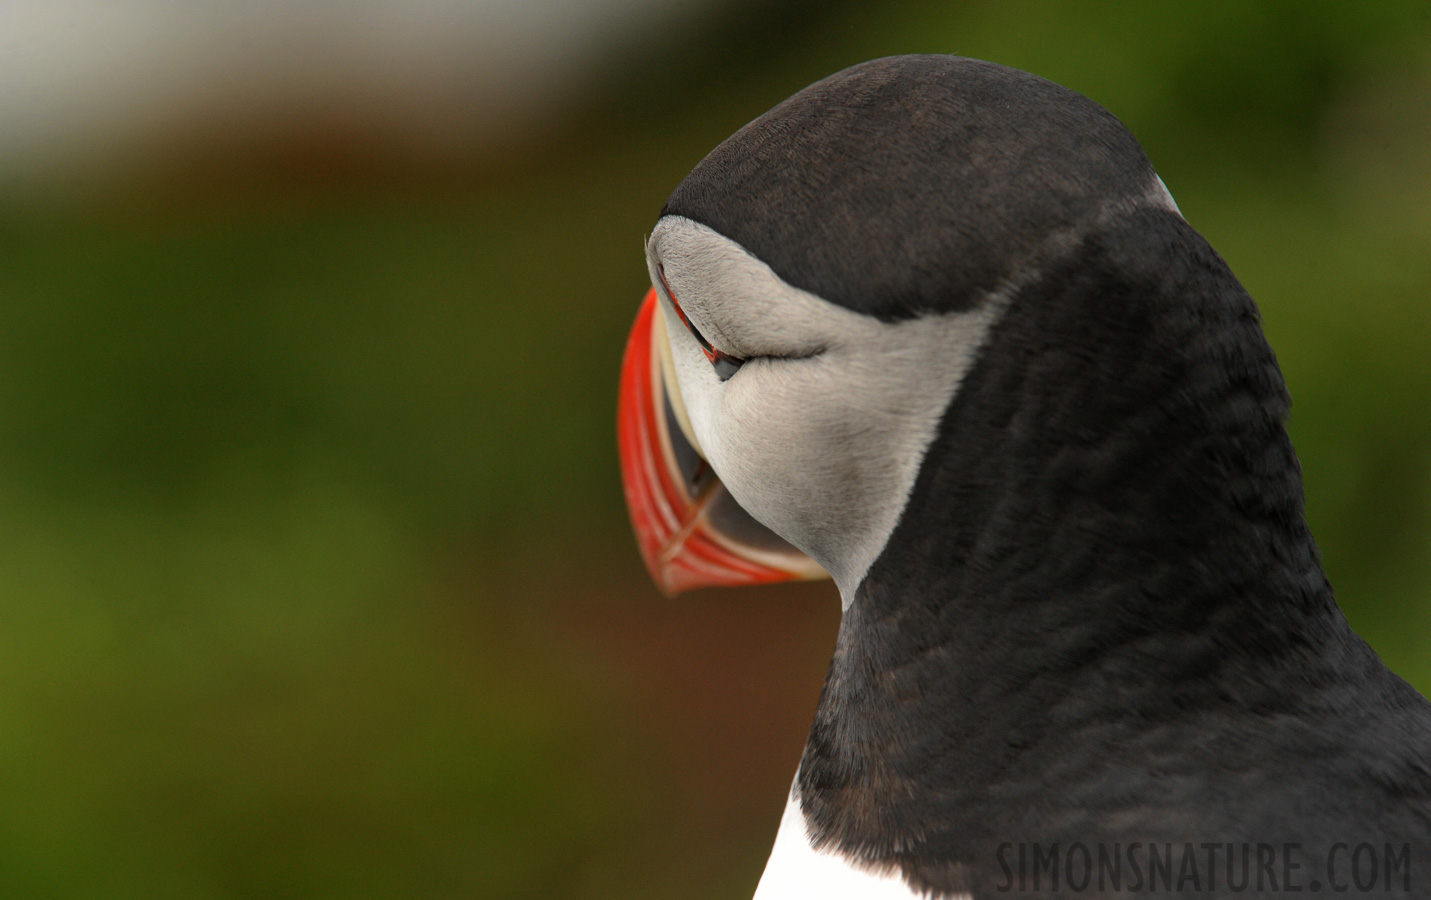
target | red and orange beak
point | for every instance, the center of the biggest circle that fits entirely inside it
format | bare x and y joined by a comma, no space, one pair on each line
690,530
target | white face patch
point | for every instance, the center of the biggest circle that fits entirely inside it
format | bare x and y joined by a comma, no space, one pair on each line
1161,196
821,433
797,871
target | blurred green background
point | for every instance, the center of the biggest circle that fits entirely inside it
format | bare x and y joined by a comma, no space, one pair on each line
315,579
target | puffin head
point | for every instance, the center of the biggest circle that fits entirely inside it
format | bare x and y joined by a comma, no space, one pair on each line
823,284
935,327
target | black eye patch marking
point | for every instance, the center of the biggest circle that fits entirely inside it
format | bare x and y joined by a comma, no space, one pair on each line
725,364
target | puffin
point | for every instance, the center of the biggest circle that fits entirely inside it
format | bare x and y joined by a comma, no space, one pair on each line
935,328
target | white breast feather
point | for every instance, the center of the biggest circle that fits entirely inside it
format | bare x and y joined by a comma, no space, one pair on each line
797,871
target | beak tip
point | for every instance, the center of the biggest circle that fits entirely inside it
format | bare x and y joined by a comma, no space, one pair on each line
661,573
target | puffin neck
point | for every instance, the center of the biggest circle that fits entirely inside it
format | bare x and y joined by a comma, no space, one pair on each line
1106,538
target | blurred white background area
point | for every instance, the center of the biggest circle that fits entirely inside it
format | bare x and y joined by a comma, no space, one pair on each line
86,82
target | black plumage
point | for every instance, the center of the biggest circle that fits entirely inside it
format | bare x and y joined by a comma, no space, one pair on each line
1102,617
915,183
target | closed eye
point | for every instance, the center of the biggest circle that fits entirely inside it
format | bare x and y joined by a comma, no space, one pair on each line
725,364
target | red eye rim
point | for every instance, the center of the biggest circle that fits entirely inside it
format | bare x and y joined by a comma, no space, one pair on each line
725,364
